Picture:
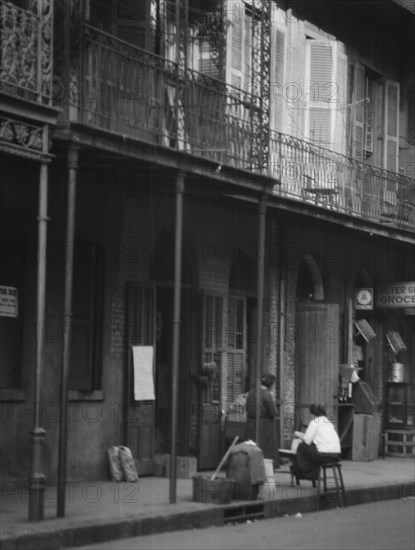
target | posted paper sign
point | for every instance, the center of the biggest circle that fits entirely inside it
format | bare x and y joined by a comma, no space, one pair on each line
8,301
143,373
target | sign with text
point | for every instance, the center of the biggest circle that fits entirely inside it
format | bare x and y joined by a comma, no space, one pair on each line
397,295
8,301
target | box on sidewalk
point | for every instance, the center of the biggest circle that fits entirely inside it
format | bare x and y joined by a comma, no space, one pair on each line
217,491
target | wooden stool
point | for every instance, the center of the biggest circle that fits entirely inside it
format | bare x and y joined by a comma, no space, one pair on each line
338,490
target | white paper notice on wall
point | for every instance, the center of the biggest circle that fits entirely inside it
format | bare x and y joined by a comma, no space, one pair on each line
9,301
143,373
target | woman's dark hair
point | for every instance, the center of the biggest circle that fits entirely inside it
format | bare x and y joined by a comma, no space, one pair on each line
268,379
318,410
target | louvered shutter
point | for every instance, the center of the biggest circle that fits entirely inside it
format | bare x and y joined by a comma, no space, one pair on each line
239,37
236,347
410,92
340,115
141,315
139,415
212,344
320,67
133,22
278,77
236,41
391,145
86,325
326,92
378,122
358,110
391,126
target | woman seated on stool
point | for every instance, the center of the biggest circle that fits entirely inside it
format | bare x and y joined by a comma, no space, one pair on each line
320,444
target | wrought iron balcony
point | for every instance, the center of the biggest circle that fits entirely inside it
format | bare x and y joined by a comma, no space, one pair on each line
26,50
120,88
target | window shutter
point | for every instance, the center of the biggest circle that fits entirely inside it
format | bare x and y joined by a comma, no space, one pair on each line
326,92
358,110
239,38
141,315
140,324
340,91
212,341
133,22
236,352
320,73
86,326
378,122
236,26
411,116
278,77
391,152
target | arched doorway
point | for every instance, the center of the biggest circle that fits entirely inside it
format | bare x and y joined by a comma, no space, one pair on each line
316,345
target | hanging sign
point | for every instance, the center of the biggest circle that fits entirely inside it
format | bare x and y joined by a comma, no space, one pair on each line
8,301
398,295
363,298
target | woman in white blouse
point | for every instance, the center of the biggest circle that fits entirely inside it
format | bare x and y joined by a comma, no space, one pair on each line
320,444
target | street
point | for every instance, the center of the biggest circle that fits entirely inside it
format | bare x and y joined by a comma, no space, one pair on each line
379,525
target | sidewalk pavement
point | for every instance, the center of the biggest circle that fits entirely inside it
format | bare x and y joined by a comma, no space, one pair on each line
100,511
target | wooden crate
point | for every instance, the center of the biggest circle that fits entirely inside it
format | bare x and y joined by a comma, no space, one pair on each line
365,445
400,443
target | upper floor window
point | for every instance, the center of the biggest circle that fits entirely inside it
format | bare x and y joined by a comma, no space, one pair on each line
373,118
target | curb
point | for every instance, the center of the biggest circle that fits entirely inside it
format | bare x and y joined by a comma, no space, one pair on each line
84,534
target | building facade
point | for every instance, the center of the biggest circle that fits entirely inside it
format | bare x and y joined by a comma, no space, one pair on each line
223,178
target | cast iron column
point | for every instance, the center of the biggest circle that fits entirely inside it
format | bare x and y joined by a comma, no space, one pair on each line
36,479
67,318
260,309
176,329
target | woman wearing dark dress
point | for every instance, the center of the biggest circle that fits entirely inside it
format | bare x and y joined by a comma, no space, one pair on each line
267,437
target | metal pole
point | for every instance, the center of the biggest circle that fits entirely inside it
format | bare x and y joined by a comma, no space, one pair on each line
67,315
36,480
176,329
260,308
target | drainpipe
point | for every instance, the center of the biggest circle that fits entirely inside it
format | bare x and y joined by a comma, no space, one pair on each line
260,307
176,329
67,316
36,479
281,332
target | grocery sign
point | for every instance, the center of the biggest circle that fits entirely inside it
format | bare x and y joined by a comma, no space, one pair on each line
398,295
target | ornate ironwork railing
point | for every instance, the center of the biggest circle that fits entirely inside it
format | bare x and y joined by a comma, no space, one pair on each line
124,89
331,180
131,91
26,50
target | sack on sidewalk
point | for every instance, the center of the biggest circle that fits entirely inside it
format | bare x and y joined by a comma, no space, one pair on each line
114,463
128,465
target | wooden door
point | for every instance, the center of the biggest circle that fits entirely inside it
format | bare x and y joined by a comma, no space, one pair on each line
139,415
317,359
210,447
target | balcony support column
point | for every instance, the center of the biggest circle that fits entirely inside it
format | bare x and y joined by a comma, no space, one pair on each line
180,184
36,479
262,208
67,314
